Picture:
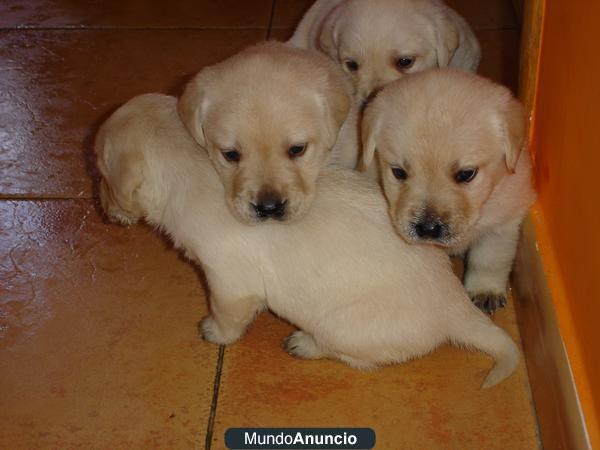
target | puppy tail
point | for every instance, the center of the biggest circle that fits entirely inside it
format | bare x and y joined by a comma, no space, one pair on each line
482,334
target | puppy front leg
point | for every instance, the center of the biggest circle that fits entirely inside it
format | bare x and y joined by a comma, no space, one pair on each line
489,263
229,318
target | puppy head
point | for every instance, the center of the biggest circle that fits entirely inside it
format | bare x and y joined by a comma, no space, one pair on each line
268,118
444,140
378,41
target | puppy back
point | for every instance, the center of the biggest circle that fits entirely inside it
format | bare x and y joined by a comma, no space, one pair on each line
139,148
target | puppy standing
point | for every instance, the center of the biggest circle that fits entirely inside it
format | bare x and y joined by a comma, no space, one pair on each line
453,170
269,117
358,292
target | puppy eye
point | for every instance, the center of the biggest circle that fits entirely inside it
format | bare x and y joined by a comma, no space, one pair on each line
232,155
351,65
465,175
295,151
399,173
405,62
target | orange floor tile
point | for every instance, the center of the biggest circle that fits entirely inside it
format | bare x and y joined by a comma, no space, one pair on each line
136,13
98,340
54,84
431,403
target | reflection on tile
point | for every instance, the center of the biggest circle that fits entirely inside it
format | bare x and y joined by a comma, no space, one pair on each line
56,85
135,13
433,402
480,14
98,339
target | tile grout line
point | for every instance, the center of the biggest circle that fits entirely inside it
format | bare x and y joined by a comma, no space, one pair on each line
10,198
268,29
271,17
490,28
132,28
215,398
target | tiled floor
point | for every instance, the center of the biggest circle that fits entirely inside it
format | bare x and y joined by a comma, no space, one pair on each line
98,340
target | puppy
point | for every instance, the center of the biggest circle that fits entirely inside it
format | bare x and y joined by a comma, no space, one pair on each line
453,170
378,41
269,117
358,293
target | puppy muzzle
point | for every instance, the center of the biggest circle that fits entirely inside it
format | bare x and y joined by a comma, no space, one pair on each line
430,228
269,205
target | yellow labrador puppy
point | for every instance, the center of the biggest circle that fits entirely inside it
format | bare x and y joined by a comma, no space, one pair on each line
378,41
358,293
453,170
269,118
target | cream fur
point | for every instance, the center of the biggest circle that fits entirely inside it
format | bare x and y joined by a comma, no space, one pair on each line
357,292
261,102
434,124
374,33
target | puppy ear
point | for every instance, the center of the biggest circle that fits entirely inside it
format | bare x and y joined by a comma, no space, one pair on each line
369,131
447,40
514,132
335,100
327,41
192,106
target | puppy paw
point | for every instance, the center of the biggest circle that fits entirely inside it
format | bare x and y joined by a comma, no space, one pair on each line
212,332
489,302
302,345
121,218
112,210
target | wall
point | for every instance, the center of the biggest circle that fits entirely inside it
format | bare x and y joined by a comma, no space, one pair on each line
566,148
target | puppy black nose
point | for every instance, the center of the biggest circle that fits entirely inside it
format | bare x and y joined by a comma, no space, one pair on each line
270,205
270,209
430,227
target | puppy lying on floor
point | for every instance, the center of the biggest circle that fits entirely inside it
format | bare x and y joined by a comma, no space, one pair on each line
357,292
452,167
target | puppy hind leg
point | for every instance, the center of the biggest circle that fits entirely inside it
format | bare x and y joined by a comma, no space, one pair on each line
113,211
479,332
302,345
356,363
229,319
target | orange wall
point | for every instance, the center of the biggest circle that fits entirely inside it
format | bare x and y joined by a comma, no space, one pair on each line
566,146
